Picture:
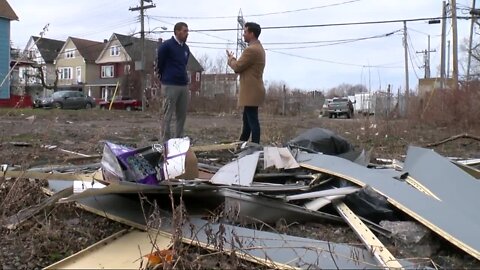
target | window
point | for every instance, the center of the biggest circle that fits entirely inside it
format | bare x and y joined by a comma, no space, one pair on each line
126,69
107,72
197,76
115,50
79,74
70,53
65,73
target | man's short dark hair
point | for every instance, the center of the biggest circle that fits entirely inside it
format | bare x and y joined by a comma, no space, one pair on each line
178,26
253,27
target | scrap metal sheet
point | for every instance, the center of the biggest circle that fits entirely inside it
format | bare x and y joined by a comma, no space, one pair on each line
253,208
238,172
273,249
444,179
446,219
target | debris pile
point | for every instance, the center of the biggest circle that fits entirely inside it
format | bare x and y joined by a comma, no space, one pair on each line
316,177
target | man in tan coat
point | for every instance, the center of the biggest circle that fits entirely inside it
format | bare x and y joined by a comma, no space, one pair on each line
250,66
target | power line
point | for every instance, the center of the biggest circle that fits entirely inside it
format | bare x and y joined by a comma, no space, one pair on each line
257,15
339,42
316,43
329,24
329,61
169,23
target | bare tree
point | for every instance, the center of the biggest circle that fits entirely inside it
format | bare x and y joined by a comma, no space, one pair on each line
40,74
214,66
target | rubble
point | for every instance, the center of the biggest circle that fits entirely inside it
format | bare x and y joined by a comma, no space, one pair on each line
259,186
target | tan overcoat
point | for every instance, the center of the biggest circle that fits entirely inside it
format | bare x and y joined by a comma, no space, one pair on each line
250,66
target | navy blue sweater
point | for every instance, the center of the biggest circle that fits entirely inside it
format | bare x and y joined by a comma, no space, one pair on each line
172,59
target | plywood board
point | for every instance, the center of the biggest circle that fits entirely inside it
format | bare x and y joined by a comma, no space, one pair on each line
124,250
447,220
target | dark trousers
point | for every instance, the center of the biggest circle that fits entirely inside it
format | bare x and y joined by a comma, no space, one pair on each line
251,125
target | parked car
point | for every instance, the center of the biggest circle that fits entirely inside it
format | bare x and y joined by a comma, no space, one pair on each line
122,103
66,99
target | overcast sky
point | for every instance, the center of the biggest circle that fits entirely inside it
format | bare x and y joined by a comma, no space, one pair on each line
309,58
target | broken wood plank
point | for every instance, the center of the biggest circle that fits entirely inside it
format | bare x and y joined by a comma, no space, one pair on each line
370,240
216,147
123,250
49,176
23,215
73,153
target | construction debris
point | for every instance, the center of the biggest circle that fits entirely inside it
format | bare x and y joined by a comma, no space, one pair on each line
317,177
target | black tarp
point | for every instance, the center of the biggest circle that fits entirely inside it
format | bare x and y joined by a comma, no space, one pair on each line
321,140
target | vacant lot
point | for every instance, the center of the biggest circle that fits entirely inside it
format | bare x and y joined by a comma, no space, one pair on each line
26,135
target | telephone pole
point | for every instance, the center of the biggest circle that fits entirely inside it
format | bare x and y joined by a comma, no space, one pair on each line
470,41
426,58
442,54
143,79
454,45
405,45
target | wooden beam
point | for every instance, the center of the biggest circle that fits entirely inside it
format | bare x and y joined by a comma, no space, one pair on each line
371,242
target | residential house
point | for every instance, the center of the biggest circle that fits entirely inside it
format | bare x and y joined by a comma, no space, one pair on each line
214,85
41,52
6,16
120,63
76,66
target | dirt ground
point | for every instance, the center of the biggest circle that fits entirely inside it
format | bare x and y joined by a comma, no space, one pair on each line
63,230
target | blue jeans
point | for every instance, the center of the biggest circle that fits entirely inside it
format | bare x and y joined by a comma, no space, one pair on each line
251,125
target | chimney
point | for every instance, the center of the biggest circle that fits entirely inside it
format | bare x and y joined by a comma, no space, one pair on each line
160,40
105,40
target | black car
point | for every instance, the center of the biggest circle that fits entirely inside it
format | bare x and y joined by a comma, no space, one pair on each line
66,99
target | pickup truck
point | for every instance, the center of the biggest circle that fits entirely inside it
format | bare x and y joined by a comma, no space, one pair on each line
340,106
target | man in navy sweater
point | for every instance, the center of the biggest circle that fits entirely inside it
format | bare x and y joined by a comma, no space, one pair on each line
172,59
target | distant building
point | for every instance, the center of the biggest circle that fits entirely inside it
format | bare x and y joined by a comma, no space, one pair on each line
427,85
76,65
42,52
223,84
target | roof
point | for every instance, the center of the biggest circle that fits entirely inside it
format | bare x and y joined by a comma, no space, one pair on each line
6,11
193,64
48,48
89,49
133,44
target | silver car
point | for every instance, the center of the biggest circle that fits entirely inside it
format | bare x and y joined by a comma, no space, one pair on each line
66,99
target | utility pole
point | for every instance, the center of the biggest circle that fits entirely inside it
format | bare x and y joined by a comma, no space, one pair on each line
143,79
472,25
426,58
442,55
405,45
448,60
455,45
